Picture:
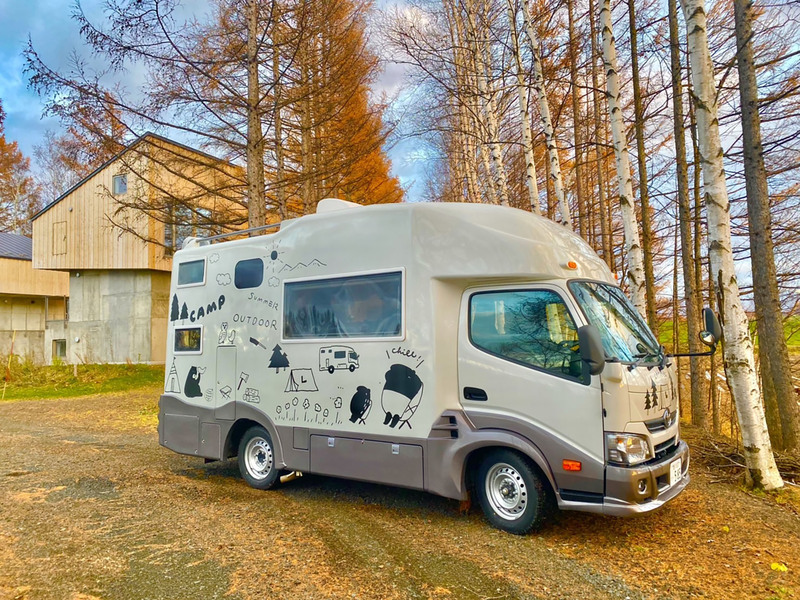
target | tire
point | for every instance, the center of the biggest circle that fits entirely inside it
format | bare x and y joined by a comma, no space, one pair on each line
510,492
352,368
331,369
257,459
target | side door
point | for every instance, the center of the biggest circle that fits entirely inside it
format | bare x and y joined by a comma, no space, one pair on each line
519,370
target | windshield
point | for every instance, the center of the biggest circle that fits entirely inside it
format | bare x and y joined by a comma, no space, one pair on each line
624,334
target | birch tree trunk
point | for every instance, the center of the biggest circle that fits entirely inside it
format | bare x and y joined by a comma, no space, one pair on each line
547,121
644,198
486,94
691,294
599,147
524,114
738,348
576,118
633,247
257,209
772,342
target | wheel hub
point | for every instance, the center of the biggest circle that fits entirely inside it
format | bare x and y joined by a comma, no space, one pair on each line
506,491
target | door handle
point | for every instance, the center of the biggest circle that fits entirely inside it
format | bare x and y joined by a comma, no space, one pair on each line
471,393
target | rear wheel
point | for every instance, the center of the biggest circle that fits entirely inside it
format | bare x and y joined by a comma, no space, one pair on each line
510,492
257,458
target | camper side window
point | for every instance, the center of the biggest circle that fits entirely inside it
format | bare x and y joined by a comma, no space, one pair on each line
192,273
248,273
363,306
529,327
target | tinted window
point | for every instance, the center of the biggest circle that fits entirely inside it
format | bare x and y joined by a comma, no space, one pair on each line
191,272
362,306
188,340
531,327
249,273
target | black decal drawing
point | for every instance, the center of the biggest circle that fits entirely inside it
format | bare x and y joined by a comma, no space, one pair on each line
226,392
243,377
301,265
173,381
408,353
274,253
174,311
255,342
333,358
191,388
224,279
401,395
226,337
360,404
647,404
273,282
278,360
184,312
301,380
251,395
209,395
213,258
338,402
654,397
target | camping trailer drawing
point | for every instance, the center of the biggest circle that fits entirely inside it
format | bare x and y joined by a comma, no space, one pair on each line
332,358
461,349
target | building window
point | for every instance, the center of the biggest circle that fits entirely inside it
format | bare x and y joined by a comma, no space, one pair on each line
59,349
248,273
363,306
119,184
192,273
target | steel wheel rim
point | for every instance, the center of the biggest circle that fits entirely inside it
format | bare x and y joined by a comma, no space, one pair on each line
506,491
258,458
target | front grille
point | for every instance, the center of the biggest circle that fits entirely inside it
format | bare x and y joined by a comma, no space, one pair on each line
664,448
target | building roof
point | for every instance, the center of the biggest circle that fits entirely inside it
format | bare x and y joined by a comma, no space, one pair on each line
13,245
131,146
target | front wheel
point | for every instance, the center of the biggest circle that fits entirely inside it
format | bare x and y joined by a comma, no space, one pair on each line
510,492
257,459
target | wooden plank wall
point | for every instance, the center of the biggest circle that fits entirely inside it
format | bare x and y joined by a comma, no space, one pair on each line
20,278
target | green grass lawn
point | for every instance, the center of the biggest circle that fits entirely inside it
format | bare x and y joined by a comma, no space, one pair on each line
27,381
791,328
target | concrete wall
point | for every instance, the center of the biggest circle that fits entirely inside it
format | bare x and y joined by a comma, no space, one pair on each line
117,316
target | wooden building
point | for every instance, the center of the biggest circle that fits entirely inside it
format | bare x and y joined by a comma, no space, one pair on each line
114,233
30,300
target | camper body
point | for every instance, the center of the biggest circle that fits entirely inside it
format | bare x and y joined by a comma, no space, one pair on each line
438,347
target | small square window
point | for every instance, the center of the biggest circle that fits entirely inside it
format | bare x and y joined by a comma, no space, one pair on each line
59,348
120,184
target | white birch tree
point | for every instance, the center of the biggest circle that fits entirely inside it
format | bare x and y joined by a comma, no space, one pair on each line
738,352
633,246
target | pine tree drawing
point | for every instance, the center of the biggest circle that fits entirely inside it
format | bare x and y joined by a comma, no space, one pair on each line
173,315
647,400
278,360
655,396
184,312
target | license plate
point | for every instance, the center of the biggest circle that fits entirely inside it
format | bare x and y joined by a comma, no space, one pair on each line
675,472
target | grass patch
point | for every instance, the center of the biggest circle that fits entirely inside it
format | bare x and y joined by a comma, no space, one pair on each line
28,381
791,329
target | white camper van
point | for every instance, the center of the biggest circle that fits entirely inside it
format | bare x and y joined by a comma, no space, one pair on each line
454,348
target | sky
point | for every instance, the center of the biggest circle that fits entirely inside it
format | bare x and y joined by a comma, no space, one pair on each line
55,36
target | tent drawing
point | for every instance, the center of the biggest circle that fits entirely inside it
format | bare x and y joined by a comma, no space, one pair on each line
173,385
301,380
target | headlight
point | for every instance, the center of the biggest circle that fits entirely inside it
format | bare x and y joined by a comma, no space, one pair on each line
627,448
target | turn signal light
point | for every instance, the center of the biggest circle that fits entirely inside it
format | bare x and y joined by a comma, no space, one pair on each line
572,265
571,465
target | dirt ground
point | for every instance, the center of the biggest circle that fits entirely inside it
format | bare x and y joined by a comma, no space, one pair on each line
92,507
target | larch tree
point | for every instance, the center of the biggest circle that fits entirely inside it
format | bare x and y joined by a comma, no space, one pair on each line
738,352
773,351
19,194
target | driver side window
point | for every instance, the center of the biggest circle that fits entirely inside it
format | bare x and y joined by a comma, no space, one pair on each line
529,327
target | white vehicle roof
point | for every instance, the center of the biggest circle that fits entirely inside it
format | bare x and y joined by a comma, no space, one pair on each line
452,240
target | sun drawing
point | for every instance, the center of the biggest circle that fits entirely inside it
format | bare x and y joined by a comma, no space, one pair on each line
274,260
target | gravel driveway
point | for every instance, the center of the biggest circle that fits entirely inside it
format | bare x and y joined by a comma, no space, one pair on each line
92,507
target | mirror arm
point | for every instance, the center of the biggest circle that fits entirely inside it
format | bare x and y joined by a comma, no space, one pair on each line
684,354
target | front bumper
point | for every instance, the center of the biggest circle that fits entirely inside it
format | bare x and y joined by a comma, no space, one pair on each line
622,496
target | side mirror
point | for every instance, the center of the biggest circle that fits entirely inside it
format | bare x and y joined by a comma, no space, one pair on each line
591,348
712,332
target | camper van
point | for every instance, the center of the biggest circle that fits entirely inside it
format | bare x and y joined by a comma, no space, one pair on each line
468,350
